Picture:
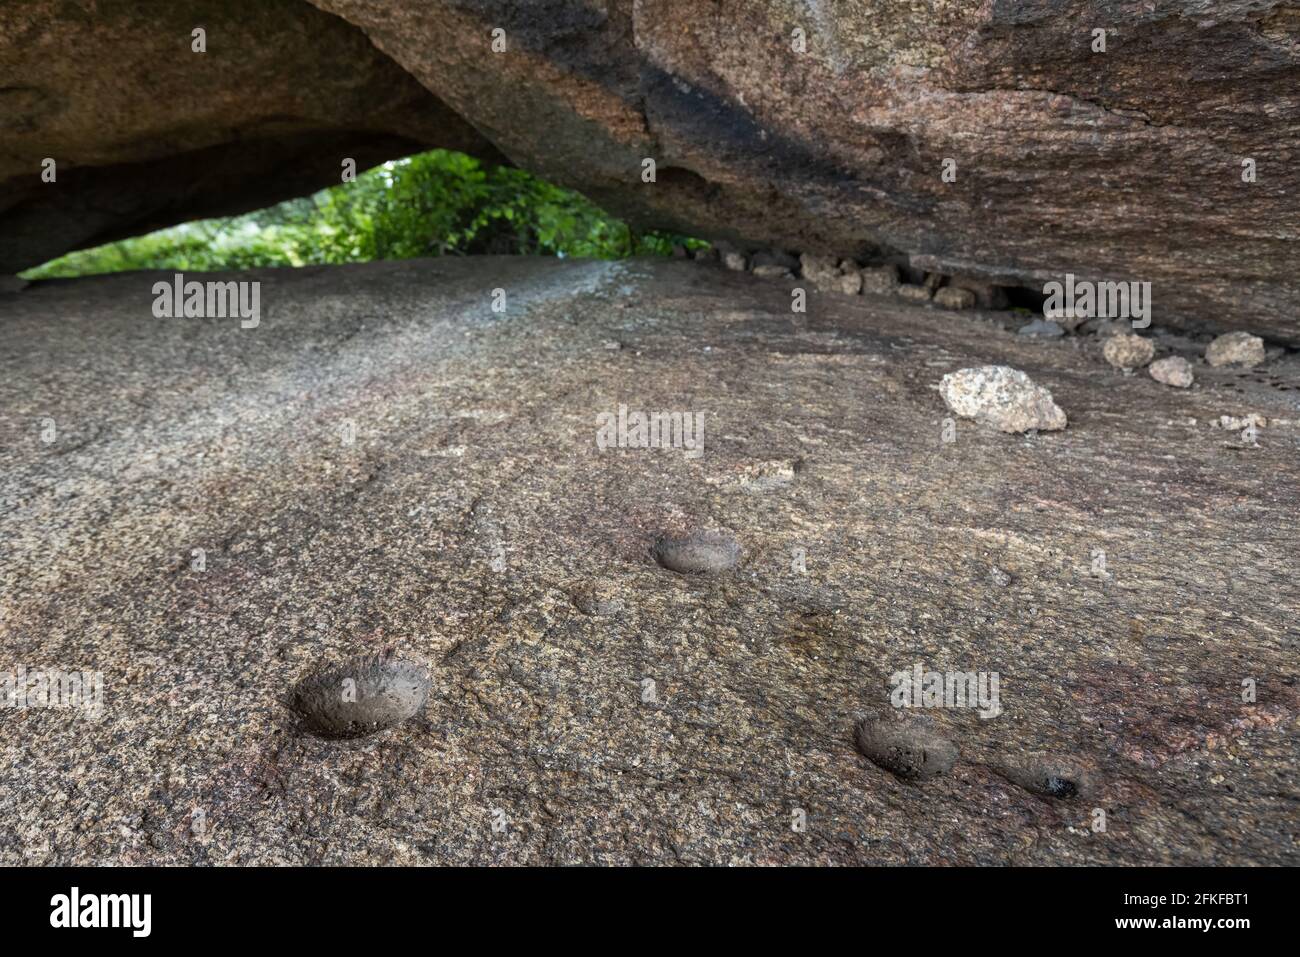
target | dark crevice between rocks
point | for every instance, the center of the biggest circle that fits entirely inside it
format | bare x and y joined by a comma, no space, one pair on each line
1025,297
881,271
687,182
885,274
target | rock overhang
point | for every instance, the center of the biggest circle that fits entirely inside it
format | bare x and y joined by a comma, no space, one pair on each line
771,123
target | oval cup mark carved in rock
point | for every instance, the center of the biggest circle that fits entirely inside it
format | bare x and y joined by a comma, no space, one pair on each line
699,553
598,601
1048,776
911,753
361,696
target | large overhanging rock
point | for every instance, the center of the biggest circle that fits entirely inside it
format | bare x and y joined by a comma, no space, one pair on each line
145,132
1123,164
819,126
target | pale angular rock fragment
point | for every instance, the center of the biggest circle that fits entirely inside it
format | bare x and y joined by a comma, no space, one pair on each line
1128,351
1172,370
1235,348
950,297
1003,397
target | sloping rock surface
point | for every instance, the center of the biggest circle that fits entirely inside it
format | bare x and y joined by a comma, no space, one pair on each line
385,464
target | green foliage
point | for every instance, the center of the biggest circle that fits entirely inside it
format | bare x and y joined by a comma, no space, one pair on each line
438,203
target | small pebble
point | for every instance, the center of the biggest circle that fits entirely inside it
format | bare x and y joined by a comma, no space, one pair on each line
849,283
361,696
770,271
1235,348
997,576
700,553
818,270
987,295
879,280
1049,776
1042,328
1128,351
1172,370
911,753
828,274
951,297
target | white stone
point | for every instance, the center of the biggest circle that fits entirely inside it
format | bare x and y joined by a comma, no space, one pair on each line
1002,397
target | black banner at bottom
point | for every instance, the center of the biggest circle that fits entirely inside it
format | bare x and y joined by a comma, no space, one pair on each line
339,906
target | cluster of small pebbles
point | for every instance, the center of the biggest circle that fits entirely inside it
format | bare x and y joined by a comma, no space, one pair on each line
851,278
1000,396
1010,401
1128,352
1123,348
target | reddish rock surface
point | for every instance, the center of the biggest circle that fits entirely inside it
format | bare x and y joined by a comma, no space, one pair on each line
1125,577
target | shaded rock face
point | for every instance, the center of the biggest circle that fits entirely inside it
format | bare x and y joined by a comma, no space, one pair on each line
1124,164
146,133
1121,164
817,126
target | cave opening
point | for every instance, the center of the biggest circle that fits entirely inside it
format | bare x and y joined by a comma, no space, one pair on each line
436,203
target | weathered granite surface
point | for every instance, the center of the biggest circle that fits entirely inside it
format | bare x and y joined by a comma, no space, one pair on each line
989,139
474,525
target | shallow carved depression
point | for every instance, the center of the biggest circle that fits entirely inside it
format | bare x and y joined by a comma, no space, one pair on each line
699,553
913,754
1049,777
361,696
